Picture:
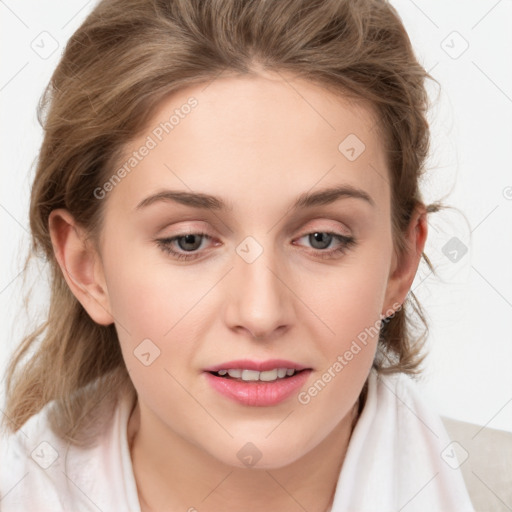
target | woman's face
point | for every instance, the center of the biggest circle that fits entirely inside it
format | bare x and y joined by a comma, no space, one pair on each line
241,157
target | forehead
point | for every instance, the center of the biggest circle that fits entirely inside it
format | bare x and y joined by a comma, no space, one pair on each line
254,140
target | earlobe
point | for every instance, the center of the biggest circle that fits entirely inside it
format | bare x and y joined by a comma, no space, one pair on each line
405,266
80,265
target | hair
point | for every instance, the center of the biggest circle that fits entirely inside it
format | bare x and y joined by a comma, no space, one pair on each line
117,68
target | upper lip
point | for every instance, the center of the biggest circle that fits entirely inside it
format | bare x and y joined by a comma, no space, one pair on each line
260,366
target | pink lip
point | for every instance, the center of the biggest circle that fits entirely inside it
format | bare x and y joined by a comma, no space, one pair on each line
257,393
259,366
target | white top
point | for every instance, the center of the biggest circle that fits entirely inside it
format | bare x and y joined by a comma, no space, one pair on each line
399,458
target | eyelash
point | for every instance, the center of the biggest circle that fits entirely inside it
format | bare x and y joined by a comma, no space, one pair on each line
346,243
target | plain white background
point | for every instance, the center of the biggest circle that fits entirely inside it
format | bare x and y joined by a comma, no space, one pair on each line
466,46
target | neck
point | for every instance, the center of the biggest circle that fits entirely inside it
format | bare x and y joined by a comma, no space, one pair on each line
173,474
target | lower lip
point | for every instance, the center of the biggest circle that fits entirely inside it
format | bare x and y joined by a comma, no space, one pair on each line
258,393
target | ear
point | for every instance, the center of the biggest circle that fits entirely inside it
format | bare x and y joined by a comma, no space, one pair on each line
80,264
405,266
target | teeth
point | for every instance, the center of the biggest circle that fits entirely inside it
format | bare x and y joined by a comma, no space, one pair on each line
252,375
269,375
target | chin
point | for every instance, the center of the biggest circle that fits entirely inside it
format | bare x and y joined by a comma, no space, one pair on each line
253,455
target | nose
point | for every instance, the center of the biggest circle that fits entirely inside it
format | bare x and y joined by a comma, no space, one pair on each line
260,300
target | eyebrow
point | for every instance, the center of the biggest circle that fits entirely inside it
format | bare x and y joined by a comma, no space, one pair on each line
209,202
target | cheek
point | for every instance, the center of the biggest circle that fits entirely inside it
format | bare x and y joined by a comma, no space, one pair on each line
147,295
350,306
151,300
349,300
357,304
351,314
350,297
156,322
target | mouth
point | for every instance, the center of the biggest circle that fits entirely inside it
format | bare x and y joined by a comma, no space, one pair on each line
258,383
248,370
244,375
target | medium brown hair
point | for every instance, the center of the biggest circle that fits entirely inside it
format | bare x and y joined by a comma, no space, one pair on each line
117,68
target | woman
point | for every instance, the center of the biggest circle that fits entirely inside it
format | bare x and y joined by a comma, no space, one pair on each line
228,193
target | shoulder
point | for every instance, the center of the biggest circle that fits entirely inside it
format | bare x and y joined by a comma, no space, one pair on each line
403,417
41,471
399,446
32,465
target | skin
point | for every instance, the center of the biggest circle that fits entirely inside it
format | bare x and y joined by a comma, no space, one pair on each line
258,143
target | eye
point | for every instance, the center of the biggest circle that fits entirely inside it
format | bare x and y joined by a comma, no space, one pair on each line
187,242
321,240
